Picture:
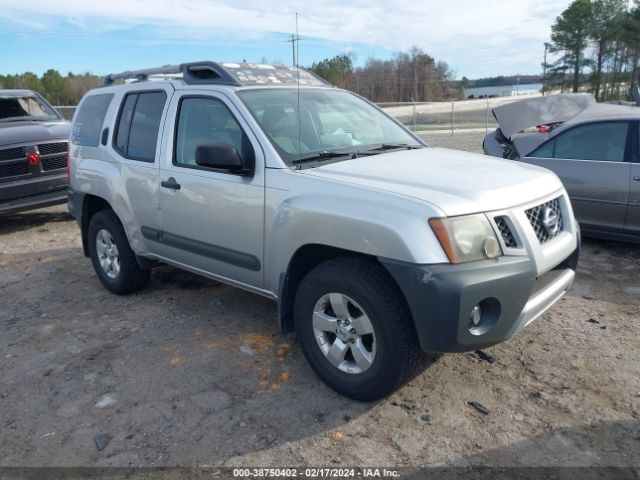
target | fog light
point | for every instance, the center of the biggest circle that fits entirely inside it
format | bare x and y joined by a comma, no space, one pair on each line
476,315
484,316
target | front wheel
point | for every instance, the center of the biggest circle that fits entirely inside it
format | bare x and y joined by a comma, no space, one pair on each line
355,329
113,260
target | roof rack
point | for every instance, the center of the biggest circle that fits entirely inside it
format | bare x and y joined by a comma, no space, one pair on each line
192,73
235,74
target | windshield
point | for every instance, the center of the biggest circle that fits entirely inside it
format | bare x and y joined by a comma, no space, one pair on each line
330,121
25,107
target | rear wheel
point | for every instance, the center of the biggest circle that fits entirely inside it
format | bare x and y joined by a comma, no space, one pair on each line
355,329
113,260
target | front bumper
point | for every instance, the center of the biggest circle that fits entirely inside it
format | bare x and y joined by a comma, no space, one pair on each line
442,297
37,192
40,200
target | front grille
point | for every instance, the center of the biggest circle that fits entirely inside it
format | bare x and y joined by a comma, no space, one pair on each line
507,235
51,148
546,220
14,169
12,153
54,163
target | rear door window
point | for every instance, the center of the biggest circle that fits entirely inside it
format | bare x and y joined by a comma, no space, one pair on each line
139,124
87,124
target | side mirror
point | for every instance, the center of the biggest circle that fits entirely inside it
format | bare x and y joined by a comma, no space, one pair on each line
222,156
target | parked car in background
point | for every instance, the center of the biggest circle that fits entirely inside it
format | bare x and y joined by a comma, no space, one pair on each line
594,149
33,152
267,178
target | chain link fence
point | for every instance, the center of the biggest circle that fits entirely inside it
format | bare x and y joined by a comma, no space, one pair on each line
462,116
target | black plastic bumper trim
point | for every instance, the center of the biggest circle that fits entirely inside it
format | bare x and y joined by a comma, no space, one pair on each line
441,298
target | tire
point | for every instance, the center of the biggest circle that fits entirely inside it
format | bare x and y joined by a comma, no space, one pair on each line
121,273
374,364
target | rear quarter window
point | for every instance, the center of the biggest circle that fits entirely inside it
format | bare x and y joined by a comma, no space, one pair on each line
139,124
87,123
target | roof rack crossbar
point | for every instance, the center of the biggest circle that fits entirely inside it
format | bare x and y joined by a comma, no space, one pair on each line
192,73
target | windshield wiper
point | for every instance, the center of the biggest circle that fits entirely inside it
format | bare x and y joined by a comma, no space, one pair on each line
11,119
322,155
392,146
325,154
24,118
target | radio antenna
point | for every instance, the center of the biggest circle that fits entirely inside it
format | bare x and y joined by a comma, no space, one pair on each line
297,65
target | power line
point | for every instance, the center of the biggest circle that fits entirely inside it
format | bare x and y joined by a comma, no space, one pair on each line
110,37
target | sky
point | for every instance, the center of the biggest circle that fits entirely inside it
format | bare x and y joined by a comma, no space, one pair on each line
476,38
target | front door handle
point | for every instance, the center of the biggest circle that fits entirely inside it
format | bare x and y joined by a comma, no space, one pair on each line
170,183
636,178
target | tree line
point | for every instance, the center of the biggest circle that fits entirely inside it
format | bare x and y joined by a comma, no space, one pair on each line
406,77
597,45
500,80
57,89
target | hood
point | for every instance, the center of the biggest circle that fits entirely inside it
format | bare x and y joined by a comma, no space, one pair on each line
457,182
33,132
516,116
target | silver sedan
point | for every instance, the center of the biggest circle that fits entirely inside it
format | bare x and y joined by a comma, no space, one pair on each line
593,148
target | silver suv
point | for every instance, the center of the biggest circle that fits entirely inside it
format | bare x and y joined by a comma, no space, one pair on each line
264,177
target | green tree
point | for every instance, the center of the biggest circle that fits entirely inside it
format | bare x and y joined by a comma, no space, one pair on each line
630,36
570,35
336,70
55,87
605,27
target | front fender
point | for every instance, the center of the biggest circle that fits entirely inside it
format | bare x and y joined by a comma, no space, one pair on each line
371,224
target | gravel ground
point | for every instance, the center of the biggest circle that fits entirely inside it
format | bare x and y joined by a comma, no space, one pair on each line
460,140
192,372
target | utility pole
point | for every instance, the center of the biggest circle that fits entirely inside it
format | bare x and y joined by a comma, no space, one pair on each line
295,38
293,48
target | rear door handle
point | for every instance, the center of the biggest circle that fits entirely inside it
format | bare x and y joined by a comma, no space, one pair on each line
636,178
170,183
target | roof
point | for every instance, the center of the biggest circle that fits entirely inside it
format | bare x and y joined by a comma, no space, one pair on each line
227,73
599,111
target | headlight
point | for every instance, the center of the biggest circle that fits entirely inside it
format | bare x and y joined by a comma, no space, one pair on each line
466,238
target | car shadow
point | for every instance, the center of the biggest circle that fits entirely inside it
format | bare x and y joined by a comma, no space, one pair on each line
610,273
604,449
21,221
